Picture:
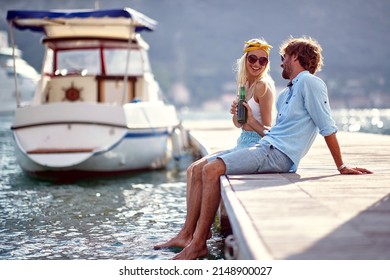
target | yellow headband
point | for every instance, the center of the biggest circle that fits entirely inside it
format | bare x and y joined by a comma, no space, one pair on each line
251,46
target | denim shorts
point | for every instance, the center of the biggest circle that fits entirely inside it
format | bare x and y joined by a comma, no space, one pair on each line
261,158
245,140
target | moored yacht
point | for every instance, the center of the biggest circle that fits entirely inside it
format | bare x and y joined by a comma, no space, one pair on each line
26,76
97,106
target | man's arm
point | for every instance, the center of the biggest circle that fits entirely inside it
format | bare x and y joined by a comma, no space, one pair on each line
334,149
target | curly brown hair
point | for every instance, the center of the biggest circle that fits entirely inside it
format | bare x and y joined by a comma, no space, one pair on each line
308,51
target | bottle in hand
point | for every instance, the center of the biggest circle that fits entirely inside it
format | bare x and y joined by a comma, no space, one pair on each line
241,110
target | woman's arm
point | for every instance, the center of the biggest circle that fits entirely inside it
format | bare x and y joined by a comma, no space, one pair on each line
265,98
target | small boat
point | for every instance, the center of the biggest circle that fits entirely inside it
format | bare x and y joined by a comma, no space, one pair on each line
26,76
97,106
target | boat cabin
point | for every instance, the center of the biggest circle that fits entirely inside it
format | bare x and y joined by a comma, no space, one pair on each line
95,70
94,56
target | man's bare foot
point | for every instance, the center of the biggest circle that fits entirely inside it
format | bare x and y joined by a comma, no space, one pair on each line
192,252
177,241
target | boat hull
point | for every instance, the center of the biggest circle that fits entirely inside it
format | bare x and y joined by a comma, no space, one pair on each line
136,151
77,137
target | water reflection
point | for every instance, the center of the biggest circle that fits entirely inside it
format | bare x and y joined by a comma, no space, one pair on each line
352,120
364,120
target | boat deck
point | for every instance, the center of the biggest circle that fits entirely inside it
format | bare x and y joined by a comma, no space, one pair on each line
314,213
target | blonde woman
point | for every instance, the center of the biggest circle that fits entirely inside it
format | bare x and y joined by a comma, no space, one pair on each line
253,73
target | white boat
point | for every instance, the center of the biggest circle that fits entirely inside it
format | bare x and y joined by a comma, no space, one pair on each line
97,106
26,76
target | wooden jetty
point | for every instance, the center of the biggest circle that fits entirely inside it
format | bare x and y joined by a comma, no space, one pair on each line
314,214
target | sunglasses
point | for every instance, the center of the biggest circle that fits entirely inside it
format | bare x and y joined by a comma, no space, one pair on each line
262,60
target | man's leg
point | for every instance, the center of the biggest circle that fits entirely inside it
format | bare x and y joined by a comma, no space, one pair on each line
194,197
209,205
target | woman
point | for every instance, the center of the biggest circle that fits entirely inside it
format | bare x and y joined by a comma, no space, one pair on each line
253,73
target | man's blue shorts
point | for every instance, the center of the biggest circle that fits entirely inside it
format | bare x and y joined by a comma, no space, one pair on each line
260,158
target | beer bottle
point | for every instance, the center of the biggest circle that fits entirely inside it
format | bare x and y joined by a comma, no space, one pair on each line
241,110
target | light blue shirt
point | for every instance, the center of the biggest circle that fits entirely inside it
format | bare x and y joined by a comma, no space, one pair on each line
303,112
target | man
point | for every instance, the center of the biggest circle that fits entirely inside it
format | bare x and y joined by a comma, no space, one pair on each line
303,112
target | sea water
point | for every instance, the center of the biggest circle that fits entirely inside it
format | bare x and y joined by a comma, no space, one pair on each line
111,218
119,217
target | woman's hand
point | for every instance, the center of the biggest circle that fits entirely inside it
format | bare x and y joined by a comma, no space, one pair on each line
233,108
253,123
249,111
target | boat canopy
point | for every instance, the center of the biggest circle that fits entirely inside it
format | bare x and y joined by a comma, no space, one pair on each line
113,23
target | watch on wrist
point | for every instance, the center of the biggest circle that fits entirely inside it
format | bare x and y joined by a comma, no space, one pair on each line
341,167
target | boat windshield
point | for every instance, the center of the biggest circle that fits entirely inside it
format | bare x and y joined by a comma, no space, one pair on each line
88,62
79,61
115,62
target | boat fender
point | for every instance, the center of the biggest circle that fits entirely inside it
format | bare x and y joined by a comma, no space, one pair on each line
184,136
177,144
231,248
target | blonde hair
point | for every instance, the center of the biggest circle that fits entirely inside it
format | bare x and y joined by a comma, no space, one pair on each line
241,63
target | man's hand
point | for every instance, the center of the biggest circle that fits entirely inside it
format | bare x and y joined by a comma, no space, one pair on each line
354,171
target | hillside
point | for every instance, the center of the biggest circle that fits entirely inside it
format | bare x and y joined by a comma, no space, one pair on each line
197,42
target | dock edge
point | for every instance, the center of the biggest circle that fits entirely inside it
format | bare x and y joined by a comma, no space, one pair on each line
247,238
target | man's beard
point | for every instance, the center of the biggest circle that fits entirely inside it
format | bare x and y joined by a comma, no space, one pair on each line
285,75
